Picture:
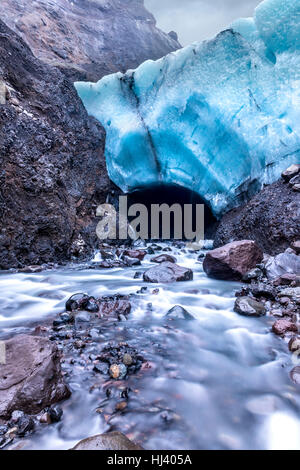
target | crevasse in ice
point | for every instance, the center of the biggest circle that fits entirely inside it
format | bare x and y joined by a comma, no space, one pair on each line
220,117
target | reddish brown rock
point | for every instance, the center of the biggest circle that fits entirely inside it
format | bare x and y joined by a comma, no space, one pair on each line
232,261
287,279
114,305
31,379
138,254
281,327
163,259
168,272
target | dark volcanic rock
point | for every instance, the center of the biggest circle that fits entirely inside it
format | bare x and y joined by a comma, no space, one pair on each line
31,379
87,39
249,307
110,441
52,169
271,218
232,261
168,272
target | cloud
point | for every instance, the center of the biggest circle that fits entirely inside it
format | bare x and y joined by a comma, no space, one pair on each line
195,20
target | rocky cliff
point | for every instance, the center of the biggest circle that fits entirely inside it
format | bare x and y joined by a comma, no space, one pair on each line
52,166
87,39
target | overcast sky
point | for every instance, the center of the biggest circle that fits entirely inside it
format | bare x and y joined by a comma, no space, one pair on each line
195,20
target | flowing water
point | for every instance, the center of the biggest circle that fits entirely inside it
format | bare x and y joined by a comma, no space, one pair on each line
219,382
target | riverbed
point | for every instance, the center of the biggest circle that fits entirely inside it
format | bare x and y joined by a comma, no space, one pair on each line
218,382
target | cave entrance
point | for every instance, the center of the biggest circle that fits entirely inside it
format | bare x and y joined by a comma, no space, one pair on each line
171,194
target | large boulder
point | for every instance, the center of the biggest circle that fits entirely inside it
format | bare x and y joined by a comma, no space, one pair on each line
88,39
168,272
108,441
271,218
31,378
232,261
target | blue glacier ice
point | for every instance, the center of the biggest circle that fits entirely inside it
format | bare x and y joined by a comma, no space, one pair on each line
221,117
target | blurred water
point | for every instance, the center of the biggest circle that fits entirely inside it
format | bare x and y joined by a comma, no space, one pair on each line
220,382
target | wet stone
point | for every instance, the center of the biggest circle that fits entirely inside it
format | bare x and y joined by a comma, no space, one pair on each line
263,290
25,425
179,313
55,413
294,344
295,375
254,274
163,258
249,307
168,272
127,360
283,326
118,371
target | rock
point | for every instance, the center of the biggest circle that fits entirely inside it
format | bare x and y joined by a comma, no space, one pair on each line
82,317
127,360
131,261
55,413
31,379
249,307
58,35
118,371
168,272
232,261
296,188
295,375
31,269
276,208
291,292
295,180
117,305
3,429
296,246
263,290
292,171
287,279
109,441
139,254
283,326
179,313
73,303
107,255
284,263
25,425
253,274
45,418
101,369
163,259
52,162
294,344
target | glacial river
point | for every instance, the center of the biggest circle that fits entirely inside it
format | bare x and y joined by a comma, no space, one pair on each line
219,382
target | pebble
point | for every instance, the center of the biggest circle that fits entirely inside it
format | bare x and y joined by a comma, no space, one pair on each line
118,371
127,360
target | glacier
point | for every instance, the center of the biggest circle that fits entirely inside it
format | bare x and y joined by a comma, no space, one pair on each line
221,117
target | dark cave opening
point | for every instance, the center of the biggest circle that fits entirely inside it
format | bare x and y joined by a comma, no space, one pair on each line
171,194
